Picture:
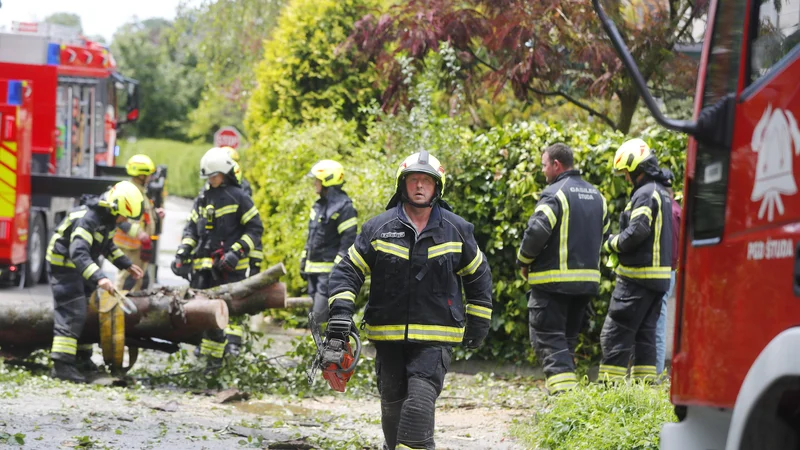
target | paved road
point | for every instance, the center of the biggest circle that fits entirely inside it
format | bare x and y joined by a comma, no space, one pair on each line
177,210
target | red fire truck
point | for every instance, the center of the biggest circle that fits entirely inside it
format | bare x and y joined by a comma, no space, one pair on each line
736,363
60,119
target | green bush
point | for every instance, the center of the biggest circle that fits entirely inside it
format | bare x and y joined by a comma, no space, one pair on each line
182,160
495,181
594,417
302,75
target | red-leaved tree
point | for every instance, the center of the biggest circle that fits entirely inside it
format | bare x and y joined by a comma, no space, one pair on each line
540,48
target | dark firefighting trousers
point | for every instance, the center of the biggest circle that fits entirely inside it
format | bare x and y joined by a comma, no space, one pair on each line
630,327
318,290
555,321
70,307
410,379
214,341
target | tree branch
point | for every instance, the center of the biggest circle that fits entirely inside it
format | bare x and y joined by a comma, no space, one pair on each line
562,94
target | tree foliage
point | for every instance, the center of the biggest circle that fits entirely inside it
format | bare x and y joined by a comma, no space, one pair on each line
66,19
169,85
227,37
547,48
301,76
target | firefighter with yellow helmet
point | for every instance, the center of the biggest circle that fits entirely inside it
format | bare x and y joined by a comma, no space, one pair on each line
83,236
135,237
643,249
331,231
421,257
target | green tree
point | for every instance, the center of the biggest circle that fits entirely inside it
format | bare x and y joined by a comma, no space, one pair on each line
227,37
66,19
302,74
149,52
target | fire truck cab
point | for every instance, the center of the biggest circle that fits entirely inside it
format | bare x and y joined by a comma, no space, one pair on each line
66,101
736,358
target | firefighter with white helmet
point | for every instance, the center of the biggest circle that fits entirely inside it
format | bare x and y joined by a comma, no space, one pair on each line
420,256
85,234
644,251
221,232
331,231
135,237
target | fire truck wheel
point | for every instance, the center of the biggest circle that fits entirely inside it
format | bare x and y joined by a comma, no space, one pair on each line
37,246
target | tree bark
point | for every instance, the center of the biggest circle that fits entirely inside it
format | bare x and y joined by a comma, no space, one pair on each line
176,314
628,99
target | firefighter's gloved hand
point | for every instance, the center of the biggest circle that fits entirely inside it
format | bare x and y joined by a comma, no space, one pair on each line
229,261
607,245
613,261
339,327
183,252
181,268
474,334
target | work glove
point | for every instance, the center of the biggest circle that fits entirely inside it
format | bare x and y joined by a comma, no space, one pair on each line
303,273
183,252
146,249
474,334
613,261
340,326
607,245
229,261
181,268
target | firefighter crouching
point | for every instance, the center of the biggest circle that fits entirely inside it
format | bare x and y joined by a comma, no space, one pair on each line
419,255
83,236
560,258
331,231
135,237
644,251
222,229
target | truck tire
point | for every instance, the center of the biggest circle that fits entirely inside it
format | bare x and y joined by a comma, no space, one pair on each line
37,247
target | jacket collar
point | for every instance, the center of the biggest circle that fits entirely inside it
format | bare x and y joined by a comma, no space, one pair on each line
434,221
567,173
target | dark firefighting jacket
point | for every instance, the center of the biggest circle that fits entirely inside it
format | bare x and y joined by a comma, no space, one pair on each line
222,219
644,243
417,279
331,231
85,234
561,245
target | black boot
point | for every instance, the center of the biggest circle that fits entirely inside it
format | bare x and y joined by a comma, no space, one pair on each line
85,364
67,372
234,345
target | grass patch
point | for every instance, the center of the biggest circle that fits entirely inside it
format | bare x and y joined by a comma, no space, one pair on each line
182,160
594,417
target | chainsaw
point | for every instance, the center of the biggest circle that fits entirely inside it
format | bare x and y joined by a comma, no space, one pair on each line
335,358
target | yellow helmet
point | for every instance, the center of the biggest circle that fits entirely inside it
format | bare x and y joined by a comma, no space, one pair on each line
422,162
329,172
232,151
237,170
631,154
125,199
140,165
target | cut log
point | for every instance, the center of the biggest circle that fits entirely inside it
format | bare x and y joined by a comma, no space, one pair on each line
176,314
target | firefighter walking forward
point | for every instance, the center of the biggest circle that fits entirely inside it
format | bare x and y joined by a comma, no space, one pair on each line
644,250
560,257
222,229
419,255
135,237
83,236
331,231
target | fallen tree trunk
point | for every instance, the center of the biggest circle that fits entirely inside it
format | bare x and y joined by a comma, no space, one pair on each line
176,314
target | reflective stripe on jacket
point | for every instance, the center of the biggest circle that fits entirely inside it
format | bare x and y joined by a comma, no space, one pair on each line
417,278
644,243
562,242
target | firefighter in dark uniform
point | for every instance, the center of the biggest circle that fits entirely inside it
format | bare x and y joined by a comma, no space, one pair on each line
83,236
644,251
420,255
256,255
560,258
331,231
223,227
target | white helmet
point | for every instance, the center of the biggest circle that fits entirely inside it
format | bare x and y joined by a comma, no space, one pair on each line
216,160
